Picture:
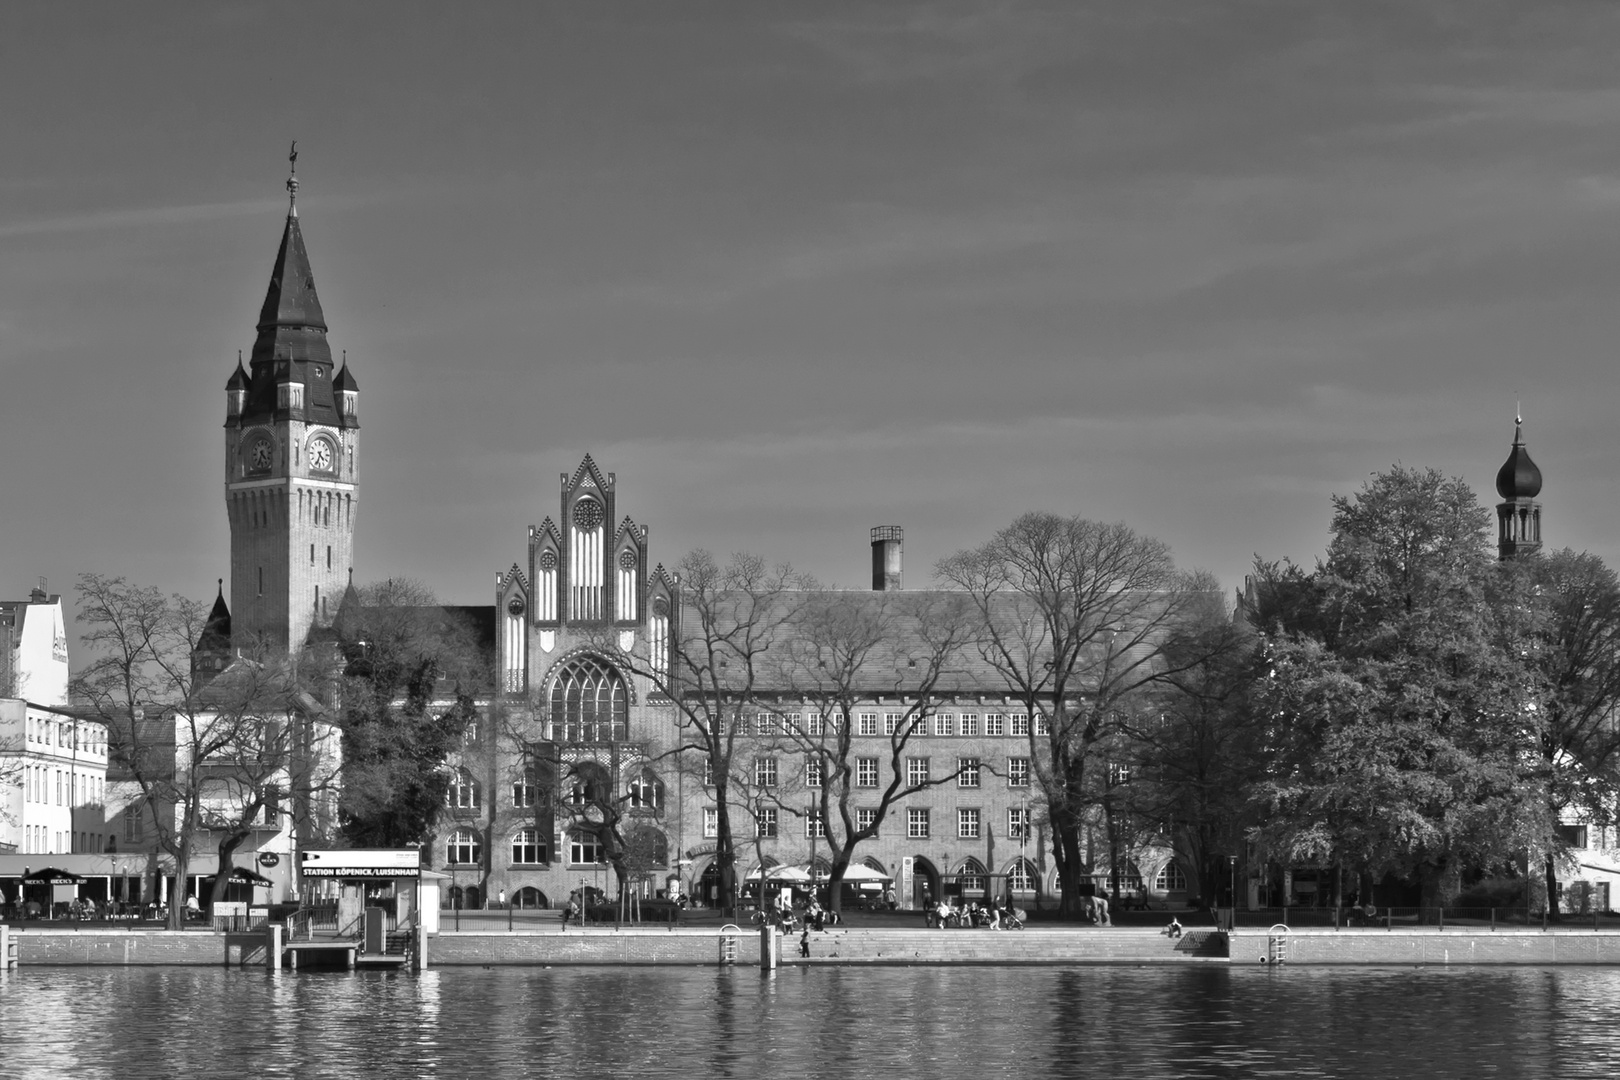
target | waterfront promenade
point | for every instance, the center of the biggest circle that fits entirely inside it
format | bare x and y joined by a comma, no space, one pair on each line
486,941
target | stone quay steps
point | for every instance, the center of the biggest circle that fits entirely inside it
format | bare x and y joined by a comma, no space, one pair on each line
980,946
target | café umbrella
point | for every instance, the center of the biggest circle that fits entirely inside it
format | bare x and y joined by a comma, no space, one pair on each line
51,875
241,875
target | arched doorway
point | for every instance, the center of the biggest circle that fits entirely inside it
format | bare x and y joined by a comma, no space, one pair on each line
709,885
530,897
924,883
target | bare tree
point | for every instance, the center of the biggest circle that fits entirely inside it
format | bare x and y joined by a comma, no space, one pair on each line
204,759
870,669
728,621
1073,616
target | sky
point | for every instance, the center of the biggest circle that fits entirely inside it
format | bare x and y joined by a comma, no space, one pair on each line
794,270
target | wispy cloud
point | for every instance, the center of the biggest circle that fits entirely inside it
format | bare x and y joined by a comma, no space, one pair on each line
141,217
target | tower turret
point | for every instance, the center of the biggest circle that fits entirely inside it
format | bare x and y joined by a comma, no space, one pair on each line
1518,516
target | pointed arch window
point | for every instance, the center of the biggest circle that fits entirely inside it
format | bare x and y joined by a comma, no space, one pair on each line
970,876
589,703
1021,878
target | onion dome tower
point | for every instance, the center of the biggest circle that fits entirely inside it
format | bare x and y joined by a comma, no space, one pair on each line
1518,516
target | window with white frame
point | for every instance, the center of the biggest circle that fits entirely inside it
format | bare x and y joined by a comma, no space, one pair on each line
868,724
525,791
584,847
944,724
970,876
967,772
1018,725
814,826
527,848
866,772
994,725
970,724
463,793
1018,823
917,824
1021,876
967,823
708,771
464,848
1042,727
765,821
1018,772
765,772
765,725
814,725
646,791
891,723
916,771
814,770
1170,878
793,723
711,822
865,818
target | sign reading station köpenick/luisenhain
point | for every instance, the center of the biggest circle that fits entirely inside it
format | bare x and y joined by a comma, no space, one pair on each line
361,863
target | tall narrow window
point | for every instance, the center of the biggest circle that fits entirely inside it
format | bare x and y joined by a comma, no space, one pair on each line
545,598
585,561
658,639
624,588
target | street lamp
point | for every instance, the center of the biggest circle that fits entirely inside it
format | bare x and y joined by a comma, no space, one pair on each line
1232,897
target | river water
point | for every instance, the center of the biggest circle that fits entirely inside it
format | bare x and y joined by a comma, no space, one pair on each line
971,1022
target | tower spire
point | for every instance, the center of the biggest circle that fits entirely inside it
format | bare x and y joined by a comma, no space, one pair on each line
292,180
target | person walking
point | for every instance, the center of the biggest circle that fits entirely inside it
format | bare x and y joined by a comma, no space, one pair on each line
804,942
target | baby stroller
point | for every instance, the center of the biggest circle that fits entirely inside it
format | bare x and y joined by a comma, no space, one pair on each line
1014,919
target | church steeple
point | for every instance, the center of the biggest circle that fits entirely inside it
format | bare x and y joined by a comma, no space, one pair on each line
1518,517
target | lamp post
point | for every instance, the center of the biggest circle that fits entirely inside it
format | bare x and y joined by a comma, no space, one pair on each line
1232,899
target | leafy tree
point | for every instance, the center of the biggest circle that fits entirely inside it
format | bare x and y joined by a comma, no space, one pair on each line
1197,746
409,689
1397,707
1567,605
1073,615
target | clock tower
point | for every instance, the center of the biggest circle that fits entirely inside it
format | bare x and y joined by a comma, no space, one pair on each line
291,430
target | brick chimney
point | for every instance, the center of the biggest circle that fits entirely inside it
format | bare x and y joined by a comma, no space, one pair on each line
886,558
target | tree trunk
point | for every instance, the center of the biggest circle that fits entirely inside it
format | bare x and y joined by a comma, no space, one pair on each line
178,894
1550,870
227,850
1066,847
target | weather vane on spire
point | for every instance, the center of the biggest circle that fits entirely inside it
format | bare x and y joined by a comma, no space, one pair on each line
292,180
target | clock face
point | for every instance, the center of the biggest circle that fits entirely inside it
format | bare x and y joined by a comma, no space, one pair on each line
261,455
320,455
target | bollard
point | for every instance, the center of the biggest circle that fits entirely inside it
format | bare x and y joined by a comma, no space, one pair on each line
770,947
272,946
